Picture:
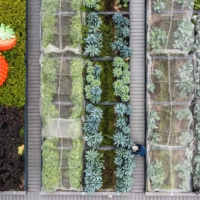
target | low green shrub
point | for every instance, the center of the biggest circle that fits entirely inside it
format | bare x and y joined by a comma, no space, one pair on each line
197,4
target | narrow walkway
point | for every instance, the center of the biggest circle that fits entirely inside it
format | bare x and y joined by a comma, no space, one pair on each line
137,86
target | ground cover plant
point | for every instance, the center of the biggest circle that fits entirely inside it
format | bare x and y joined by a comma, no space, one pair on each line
103,5
100,37
120,45
171,88
12,92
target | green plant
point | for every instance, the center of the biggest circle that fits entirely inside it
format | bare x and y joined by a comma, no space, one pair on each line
156,174
50,168
152,118
48,87
157,38
76,68
196,4
184,170
158,6
154,138
93,171
94,38
151,87
157,73
184,36
121,72
95,4
76,5
123,3
185,138
75,164
184,114
93,89
186,84
75,30
186,4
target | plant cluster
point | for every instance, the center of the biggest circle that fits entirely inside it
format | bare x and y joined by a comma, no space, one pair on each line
93,171
75,165
92,4
48,87
124,157
184,170
12,99
91,126
186,83
158,6
186,4
156,174
76,68
93,42
122,33
197,4
50,172
184,114
48,8
11,163
184,36
123,3
151,87
152,119
158,38
122,75
157,73
93,87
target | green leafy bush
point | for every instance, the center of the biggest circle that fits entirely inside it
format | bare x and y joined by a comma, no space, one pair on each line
157,38
76,69
157,73
93,42
184,36
92,4
122,74
123,3
197,4
124,157
92,89
48,87
152,119
50,169
184,114
158,6
186,4
122,32
156,174
186,83
12,93
151,87
75,165
93,171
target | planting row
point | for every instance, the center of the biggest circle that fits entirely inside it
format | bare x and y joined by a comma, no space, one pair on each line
12,96
107,163
173,79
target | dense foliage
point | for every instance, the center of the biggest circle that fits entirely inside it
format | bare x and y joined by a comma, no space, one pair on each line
120,45
12,99
11,163
124,157
122,75
93,87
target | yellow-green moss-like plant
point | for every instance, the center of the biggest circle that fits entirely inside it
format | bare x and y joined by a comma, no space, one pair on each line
13,90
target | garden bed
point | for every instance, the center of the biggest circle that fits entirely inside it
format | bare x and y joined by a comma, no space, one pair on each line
105,5
13,108
170,170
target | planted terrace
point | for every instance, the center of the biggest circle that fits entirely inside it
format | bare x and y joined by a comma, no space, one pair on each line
85,65
172,97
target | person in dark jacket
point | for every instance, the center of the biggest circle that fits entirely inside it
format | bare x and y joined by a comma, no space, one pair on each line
139,150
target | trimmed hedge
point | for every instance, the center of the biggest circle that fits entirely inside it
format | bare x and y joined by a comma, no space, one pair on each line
13,13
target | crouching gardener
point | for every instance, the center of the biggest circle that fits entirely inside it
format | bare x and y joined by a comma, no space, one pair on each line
139,150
